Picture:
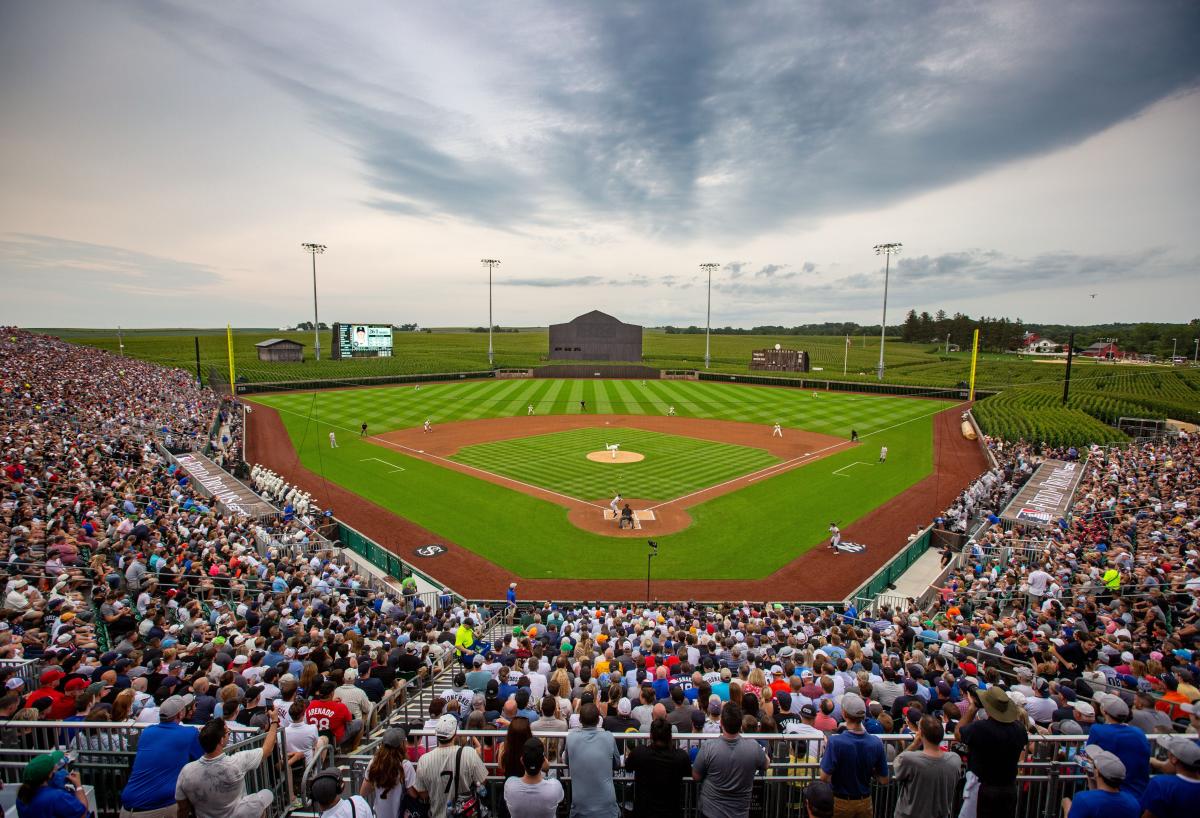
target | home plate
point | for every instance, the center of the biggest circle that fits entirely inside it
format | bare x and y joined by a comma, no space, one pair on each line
639,517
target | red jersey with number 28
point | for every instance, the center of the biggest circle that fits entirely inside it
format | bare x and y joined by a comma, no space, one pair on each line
330,715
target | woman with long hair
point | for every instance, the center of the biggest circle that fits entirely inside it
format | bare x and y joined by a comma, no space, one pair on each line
122,705
391,778
309,682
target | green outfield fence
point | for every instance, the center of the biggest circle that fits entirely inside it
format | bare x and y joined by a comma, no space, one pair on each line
847,386
374,380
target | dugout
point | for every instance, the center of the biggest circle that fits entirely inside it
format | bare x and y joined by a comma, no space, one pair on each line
280,350
595,336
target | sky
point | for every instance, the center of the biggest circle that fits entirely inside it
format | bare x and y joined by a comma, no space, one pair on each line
162,162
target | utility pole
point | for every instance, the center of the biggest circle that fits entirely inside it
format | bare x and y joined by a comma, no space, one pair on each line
1174,348
708,267
1070,356
885,250
199,377
120,340
1196,355
491,264
947,343
315,250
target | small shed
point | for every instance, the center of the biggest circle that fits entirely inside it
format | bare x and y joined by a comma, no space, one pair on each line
279,350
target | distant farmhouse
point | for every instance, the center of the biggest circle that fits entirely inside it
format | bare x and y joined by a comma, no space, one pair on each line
1034,344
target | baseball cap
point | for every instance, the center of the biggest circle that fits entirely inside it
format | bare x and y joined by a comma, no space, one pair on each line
50,676
853,706
14,683
776,670
623,707
785,699
1183,749
174,705
394,738
808,711
40,768
447,727
1114,705
1084,708
1107,764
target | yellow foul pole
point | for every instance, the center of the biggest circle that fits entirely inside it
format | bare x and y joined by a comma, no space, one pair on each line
233,382
974,358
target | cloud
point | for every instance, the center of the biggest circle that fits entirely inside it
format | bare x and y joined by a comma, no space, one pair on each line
736,269
809,267
682,120
50,262
577,281
773,271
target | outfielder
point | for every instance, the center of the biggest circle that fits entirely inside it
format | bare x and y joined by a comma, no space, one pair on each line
670,411
332,440
777,431
428,427
883,454
529,411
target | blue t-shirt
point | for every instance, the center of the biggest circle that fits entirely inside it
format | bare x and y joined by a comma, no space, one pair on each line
162,751
53,802
1169,796
852,760
1131,746
1101,804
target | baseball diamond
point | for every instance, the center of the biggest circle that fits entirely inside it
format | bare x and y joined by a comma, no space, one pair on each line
713,473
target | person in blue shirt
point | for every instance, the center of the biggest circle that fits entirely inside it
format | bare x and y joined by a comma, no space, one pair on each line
852,759
50,790
1127,742
1104,797
162,751
1178,794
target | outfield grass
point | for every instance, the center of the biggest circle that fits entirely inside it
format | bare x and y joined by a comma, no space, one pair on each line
674,465
763,526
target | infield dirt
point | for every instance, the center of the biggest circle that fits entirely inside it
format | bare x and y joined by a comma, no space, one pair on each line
816,575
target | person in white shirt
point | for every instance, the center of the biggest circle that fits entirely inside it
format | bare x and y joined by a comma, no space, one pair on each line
353,697
299,737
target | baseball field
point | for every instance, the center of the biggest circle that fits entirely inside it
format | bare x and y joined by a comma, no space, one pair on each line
504,477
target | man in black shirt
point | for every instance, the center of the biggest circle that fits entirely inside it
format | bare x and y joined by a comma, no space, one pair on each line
658,773
994,745
1077,655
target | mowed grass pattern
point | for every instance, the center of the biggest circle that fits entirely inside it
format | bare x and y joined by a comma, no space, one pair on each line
741,535
673,466
389,408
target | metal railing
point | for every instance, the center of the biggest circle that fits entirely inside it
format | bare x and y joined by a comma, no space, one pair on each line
104,752
1046,774
27,669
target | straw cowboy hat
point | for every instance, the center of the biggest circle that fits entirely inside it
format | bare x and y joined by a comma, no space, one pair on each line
998,705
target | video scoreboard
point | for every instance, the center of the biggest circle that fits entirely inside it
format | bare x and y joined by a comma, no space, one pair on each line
362,340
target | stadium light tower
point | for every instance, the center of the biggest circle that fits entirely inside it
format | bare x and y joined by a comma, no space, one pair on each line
885,250
1174,348
315,249
491,264
708,267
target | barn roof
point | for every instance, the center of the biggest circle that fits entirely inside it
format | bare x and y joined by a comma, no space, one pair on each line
270,342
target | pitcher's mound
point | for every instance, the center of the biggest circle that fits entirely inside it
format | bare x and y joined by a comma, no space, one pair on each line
622,457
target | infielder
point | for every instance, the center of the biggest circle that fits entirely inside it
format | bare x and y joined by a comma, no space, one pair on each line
332,440
428,427
363,431
529,411
835,537
777,431
883,454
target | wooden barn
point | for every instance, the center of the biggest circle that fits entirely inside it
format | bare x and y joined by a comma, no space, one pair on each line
280,350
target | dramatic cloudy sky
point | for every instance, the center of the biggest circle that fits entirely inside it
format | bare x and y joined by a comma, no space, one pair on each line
161,162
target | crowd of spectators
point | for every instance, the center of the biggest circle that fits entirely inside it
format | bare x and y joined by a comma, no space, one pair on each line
146,605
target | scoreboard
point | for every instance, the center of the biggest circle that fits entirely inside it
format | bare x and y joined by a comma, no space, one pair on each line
362,340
